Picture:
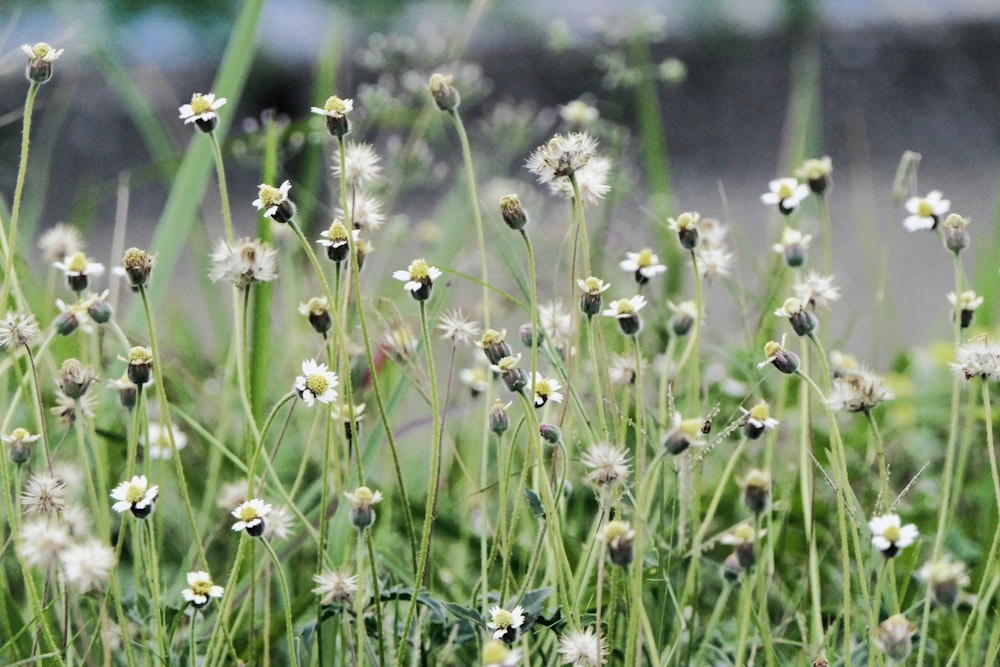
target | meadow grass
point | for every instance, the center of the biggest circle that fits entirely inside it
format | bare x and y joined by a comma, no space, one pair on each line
494,438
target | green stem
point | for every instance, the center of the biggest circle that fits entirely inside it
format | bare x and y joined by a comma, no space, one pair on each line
533,315
376,595
10,277
695,338
287,600
824,216
168,428
41,407
432,488
223,190
880,452
470,177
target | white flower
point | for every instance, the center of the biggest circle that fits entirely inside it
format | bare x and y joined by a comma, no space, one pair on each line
269,197
366,212
977,358
621,308
786,193
858,391
578,113
591,180
925,211
417,276
42,540
246,262
135,495
44,494
759,417
42,51
546,389
714,261
361,164
966,301
58,242
78,266
86,566
791,237
17,330
816,290
743,533
334,108
201,108
159,441
556,321
890,536
201,589
644,264
316,383
561,156
503,622
279,523
457,328
582,648
334,586
251,515
607,464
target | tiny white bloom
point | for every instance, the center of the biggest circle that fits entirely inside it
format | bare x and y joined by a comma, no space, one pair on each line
201,589
786,193
251,515
502,621
890,536
135,495
316,383
201,108
925,211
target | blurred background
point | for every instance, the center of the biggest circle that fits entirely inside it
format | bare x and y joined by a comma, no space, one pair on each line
742,91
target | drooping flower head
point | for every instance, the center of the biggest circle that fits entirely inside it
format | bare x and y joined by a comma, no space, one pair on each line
784,360
445,95
619,536
946,580
363,501
816,173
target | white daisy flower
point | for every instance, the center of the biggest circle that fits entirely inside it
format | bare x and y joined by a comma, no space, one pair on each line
505,624
202,110
201,589
546,389
786,193
316,383
136,496
890,536
925,212
644,264
419,278
251,515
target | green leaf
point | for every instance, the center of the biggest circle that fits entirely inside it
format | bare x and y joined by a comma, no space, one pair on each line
465,613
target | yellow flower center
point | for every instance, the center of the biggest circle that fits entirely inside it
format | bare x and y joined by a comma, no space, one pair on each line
744,533
624,307
645,258
363,496
687,220
270,195
248,513
543,388
419,270
337,231
495,652
925,209
503,619
785,191
317,384
616,530
140,355
891,533
792,306
134,493
760,412
508,364
41,49
19,433
200,104
692,427
438,82
593,285
335,105
492,337
77,263
771,348
202,587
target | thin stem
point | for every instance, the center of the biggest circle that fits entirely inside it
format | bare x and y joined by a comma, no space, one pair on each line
41,407
432,487
533,314
168,427
880,452
223,190
287,600
10,277
377,595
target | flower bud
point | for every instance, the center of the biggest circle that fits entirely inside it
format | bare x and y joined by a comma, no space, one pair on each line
499,419
494,346
140,364
550,433
512,212
445,95
74,378
137,264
